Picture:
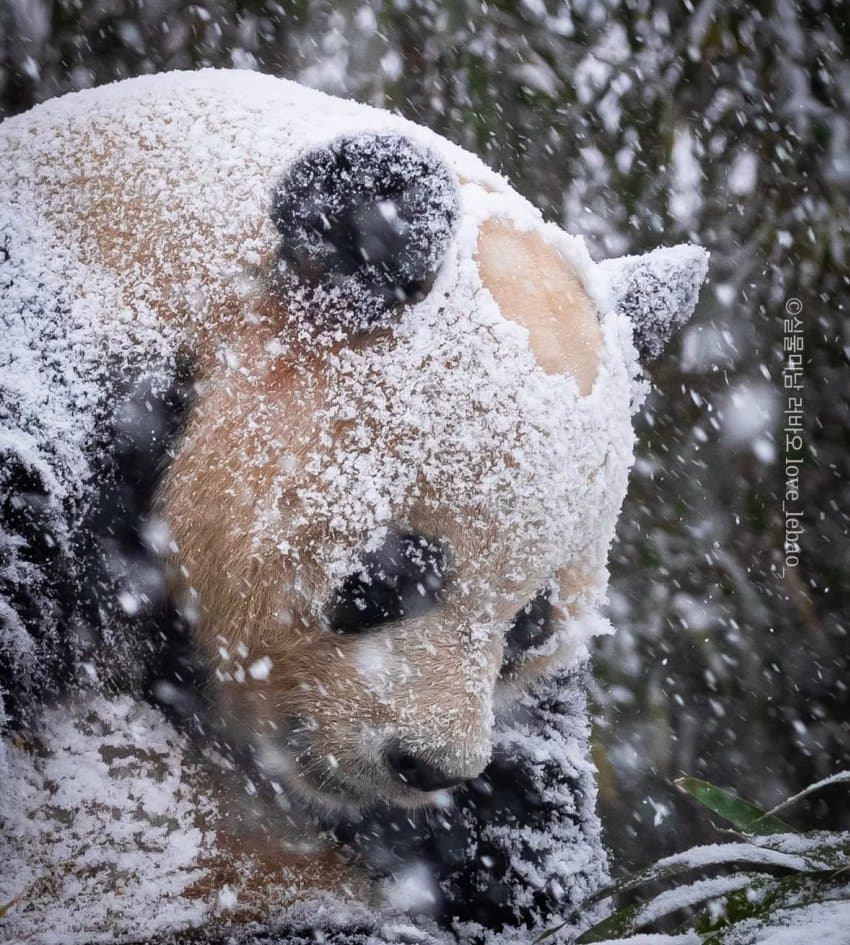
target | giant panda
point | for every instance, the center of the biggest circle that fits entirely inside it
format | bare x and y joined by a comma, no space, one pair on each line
314,435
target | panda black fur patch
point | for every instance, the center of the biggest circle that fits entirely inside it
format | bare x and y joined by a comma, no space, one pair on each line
365,224
79,583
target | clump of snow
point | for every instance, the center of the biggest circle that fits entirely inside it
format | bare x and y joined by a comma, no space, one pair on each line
227,898
410,890
686,189
748,412
743,174
260,669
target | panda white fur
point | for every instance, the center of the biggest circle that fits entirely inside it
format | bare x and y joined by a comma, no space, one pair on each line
314,435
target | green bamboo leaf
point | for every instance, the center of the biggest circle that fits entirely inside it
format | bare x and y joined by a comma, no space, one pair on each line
755,855
556,928
836,778
793,894
816,857
825,850
690,896
616,925
637,916
758,900
745,816
550,932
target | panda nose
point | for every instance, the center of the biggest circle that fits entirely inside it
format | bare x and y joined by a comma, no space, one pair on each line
416,772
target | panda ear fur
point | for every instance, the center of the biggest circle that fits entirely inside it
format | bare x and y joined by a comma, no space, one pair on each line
658,292
365,223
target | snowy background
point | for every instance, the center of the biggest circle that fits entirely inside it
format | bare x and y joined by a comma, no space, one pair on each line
634,124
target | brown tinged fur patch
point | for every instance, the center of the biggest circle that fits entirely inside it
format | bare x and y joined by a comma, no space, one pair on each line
534,285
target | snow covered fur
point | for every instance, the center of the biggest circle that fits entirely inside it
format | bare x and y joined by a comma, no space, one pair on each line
314,436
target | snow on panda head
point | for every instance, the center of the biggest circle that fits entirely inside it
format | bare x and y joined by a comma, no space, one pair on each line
391,506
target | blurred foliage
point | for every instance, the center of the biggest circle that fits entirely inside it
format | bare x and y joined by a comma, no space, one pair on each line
633,123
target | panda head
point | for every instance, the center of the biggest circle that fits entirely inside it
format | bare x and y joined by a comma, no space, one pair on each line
391,508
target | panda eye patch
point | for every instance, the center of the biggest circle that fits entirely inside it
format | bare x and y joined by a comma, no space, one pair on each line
531,627
406,577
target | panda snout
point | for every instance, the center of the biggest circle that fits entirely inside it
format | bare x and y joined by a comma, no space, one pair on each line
417,772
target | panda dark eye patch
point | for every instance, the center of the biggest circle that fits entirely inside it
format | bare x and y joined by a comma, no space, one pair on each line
531,627
406,577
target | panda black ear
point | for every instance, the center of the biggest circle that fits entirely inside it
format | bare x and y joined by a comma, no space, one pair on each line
365,223
658,291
